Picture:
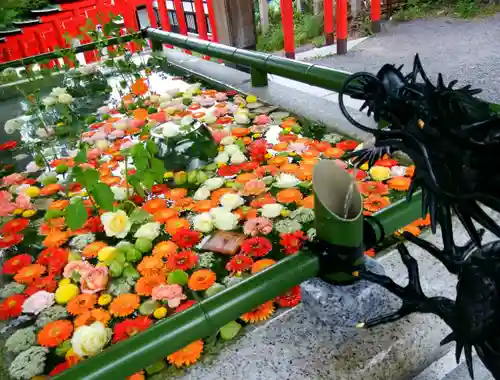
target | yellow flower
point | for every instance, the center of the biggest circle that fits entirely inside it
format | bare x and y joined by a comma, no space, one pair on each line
105,299
285,212
168,175
221,164
106,253
287,129
70,194
256,135
268,155
84,193
292,154
229,184
32,191
66,293
364,166
116,224
251,99
64,282
29,213
221,148
17,211
380,173
160,313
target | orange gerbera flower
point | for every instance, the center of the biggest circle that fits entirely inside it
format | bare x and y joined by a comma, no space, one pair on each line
202,206
59,205
217,194
412,229
111,180
245,177
278,161
145,285
187,355
201,280
399,183
137,376
139,87
309,161
183,204
261,265
164,249
94,315
93,249
311,153
178,193
240,131
372,187
51,189
55,239
290,168
54,333
423,222
151,266
289,196
175,224
280,147
375,203
81,304
140,114
333,152
161,216
370,252
260,313
154,205
246,213
29,274
124,305
410,171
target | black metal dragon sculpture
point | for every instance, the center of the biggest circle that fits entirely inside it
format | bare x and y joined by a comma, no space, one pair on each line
453,139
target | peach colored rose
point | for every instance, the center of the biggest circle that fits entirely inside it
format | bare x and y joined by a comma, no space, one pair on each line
80,267
94,280
259,225
23,201
220,111
220,96
171,293
254,187
13,179
94,154
262,119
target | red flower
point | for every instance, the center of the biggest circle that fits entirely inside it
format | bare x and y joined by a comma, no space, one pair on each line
258,150
130,327
47,283
12,306
186,305
159,189
371,252
360,174
8,145
29,181
74,187
183,260
10,240
239,263
347,145
14,264
387,162
185,238
290,298
292,242
229,170
53,258
249,166
257,246
61,367
137,199
231,93
94,224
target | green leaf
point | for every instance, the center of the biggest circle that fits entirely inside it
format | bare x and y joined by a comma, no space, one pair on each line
91,177
158,169
81,157
139,215
103,196
148,180
136,183
141,163
230,330
76,215
151,146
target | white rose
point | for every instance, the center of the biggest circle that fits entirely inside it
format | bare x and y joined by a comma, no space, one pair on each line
116,223
38,302
119,192
154,98
271,210
56,91
149,231
170,129
102,144
238,158
213,183
228,140
398,171
90,340
165,98
201,194
173,91
49,101
65,99
232,149
210,118
285,181
203,222
221,158
241,118
187,120
32,167
231,201
12,125
224,220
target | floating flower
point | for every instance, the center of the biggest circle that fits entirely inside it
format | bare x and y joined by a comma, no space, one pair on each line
10,240
186,305
124,305
376,203
290,298
130,327
254,187
239,263
224,219
286,181
258,225
91,250
347,145
12,306
164,249
185,238
380,173
29,273
81,304
271,210
292,242
54,333
201,280
231,201
187,355
399,183
410,228
47,283
116,223
289,196
14,226
260,313
16,263
148,231
38,302
151,266
370,252
76,268
372,187
54,259
256,246
90,340
139,87
173,294
386,162
94,315
145,285
94,280
261,265
66,292
183,260
60,368
203,222
175,224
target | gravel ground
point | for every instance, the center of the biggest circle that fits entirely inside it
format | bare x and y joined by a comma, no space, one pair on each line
468,51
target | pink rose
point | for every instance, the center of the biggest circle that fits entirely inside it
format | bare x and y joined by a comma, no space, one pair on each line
171,293
6,206
128,144
94,154
13,179
23,201
220,96
262,119
220,111
254,187
136,123
259,225
259,128
207,102
218,135
38,302
298,147
80,267
117,133
94,280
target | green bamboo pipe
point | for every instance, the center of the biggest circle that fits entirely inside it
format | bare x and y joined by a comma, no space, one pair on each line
79,49
199,321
